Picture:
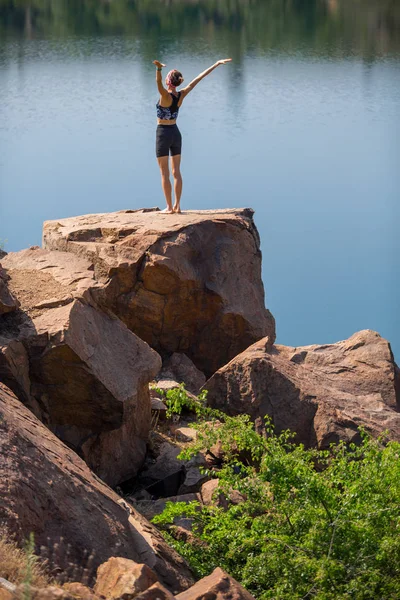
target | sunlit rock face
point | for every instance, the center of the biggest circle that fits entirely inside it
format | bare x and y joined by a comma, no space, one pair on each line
47,490
322,393
81,371
188,283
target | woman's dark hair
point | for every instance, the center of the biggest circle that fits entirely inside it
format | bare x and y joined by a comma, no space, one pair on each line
174,78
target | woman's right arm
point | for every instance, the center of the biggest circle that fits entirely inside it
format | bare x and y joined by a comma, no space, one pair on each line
185,91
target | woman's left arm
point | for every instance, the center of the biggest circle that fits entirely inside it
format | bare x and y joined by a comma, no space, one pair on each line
186,90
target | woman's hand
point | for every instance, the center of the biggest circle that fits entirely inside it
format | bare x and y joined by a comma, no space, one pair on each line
158,64
224,61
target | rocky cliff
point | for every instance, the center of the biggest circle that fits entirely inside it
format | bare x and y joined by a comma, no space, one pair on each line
186,283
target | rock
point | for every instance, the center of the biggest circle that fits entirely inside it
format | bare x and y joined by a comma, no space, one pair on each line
169,476
7,301
323,393
165,464
219,586
182,369
185,434
80,591
123,578
158,405
209,493
81,371
156,592
45,488
2,253
210,496
50,593
193,481
188,283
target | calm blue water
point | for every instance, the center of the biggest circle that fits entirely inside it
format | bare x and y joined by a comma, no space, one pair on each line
303,126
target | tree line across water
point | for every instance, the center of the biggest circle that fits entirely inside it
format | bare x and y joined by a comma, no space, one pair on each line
364,27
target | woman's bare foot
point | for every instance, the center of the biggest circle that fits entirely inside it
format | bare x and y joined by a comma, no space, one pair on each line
169,211
177,209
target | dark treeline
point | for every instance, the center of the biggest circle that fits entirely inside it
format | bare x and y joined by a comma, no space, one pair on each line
366,27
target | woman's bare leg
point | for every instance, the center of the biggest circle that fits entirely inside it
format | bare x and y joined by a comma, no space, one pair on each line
165,182
176,172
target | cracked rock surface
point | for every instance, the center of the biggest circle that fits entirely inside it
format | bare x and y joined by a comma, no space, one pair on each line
45,488
79,370
188,283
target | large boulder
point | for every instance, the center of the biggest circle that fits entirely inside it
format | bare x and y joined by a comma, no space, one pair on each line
80,370
187,283
123,578
323,393
46,489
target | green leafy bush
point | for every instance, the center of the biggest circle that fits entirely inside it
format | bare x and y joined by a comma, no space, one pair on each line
177,399
313,524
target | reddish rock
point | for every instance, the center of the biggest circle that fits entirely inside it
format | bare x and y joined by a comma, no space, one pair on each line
50,593
180,368
81,371
323,393
156,592
186,283
7,301
217,586
211,496
45,488
80,591
123,578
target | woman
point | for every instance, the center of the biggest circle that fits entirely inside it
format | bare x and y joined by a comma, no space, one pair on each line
169,138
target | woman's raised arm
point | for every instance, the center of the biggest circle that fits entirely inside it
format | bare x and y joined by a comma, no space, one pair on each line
186,90
161,88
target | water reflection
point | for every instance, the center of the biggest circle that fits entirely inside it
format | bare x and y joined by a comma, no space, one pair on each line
366,28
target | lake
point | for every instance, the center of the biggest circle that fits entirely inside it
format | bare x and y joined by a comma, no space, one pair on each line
303,126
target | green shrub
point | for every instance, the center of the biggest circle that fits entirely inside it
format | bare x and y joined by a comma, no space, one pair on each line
314,524
177,399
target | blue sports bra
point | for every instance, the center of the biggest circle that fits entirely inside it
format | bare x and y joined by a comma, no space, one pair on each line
171,112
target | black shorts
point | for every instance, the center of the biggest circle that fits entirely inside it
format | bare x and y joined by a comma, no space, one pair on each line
168,139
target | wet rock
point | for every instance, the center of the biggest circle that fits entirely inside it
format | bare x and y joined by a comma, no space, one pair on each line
123,578
218,585
81,371
188,283
45,488
323,393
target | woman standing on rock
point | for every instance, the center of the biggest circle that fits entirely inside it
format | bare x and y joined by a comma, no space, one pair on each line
169,138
